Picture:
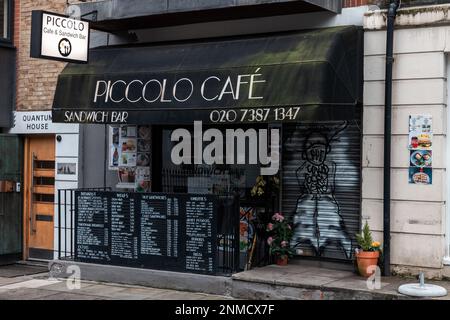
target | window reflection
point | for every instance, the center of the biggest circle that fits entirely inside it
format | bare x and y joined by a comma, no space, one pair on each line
4,19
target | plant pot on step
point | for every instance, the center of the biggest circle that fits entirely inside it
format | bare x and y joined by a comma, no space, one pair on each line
282,260
365,259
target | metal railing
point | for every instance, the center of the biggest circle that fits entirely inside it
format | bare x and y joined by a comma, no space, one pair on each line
66,221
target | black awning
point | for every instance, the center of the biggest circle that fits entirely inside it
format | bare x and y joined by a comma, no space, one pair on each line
317,72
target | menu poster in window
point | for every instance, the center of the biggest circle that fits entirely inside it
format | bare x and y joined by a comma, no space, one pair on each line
128,146
143,179
127,175
143,161
114,148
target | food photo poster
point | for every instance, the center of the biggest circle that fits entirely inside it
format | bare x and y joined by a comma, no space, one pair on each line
420,149
129,154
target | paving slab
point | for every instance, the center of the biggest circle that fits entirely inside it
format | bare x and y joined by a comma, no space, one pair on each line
30,284
69,296
25,294
101,290
178,295
142,293
303,281
17,270
7,281
62,286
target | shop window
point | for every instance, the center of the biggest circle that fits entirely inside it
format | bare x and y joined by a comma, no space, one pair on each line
5,19
192,178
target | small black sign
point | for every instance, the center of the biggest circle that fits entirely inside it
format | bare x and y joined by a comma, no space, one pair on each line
174,232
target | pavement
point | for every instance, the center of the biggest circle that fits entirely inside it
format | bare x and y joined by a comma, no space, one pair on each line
41,287
292,282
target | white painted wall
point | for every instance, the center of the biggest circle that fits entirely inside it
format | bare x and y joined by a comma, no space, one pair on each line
419,214
446,260
67,150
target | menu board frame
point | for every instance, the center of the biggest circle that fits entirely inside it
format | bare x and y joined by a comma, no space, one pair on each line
129,227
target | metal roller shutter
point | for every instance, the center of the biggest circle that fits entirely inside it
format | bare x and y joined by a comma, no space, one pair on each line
322,186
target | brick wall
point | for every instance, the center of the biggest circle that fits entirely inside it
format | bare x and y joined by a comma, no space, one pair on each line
36,78
356,3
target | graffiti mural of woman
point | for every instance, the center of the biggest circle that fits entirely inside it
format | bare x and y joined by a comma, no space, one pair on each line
317,218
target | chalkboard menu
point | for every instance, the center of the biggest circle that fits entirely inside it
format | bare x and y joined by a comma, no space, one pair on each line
175,232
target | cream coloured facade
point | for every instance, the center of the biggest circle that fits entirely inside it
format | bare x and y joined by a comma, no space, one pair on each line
419,214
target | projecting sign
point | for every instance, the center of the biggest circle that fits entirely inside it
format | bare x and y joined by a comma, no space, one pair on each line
58,37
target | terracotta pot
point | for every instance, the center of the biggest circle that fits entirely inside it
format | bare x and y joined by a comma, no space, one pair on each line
282,260
365,259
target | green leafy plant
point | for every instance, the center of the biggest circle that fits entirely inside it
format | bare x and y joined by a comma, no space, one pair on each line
365,240
280,235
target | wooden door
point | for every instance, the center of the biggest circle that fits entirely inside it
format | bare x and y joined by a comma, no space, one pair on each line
39,200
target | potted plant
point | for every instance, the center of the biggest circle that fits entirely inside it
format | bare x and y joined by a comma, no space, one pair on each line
368,253
280,235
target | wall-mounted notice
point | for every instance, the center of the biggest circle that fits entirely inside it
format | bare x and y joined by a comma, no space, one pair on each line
152,230
420,149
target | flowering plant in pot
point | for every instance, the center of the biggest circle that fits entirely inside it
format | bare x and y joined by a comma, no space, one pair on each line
368,253
280,235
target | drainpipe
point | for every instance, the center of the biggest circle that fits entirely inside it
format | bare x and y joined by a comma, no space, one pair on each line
392,13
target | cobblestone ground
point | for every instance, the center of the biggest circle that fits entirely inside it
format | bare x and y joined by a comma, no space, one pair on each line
40,287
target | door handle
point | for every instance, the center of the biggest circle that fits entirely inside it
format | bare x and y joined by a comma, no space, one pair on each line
32,215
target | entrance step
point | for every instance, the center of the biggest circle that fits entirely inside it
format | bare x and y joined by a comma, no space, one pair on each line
307,282
38,263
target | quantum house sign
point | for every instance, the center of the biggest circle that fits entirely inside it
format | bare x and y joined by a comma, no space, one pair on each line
59,37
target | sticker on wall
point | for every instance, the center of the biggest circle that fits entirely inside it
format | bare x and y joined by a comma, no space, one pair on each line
420,132
66,169
420,146
421,158
420,175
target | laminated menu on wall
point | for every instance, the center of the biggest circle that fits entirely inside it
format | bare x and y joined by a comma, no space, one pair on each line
420,146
